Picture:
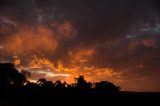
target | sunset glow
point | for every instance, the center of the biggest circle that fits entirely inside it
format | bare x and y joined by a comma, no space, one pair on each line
101,40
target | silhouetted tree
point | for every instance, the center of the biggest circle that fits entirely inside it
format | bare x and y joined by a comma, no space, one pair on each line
105,87
82,85
26,73
59,85
41,82
15,87
10,76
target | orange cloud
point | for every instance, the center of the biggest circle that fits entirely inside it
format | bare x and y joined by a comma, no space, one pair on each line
149,42
27,41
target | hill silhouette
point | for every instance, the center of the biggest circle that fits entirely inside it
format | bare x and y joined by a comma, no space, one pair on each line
16,90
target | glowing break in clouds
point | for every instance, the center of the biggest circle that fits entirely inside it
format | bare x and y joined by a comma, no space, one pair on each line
33,49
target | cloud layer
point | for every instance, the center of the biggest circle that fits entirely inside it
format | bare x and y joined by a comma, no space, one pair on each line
103,40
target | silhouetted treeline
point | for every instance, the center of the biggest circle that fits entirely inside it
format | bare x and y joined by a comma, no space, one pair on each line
16,90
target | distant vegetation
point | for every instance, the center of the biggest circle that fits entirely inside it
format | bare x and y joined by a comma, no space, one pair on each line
16,90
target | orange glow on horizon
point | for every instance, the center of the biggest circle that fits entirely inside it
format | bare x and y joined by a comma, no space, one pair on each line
36,45
91,73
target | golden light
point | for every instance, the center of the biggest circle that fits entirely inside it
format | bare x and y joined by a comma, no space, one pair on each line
36,45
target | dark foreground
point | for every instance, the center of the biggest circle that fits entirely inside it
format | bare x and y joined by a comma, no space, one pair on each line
15,90
124,99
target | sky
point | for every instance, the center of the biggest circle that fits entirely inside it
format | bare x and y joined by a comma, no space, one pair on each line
113,40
